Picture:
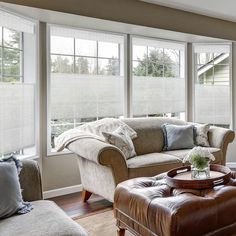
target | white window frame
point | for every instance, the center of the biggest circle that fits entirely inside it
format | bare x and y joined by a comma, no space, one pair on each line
131,69
50,151
194,77
37,152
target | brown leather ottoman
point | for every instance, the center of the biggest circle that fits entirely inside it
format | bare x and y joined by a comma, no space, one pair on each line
149,207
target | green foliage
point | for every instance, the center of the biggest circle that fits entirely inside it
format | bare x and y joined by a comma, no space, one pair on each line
199,161
157,64
83,65
112,67
62,65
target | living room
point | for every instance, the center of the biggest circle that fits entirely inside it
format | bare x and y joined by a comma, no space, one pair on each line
66,65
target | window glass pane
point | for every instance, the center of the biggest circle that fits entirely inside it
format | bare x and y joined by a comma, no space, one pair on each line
172,70
139,52
155,54
62,45
212,86
155,69
158,89
139,68
85,47
86,65
108,67
11,38
108,50
11,62
203,58
62,64
172,55
12,79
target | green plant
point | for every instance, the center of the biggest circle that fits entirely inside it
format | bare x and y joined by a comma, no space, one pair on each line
199,162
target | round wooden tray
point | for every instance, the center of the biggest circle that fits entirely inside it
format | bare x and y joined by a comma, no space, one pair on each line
181,177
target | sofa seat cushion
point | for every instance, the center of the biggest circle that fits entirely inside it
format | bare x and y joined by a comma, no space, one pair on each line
151,164
183,152
45,219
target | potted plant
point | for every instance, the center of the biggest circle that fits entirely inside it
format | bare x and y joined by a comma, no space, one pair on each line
200,159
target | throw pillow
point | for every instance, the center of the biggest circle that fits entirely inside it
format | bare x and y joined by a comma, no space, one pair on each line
178,136
121,139
10,196
201,135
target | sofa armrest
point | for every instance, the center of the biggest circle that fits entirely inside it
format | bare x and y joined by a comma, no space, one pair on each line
220,138
30,180
102,153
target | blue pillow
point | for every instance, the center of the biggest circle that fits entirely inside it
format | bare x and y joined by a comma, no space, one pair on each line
10,192
178,136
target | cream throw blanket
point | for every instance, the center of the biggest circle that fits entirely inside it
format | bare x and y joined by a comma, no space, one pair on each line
92,130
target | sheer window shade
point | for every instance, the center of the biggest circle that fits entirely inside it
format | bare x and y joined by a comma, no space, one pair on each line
15,22
16,117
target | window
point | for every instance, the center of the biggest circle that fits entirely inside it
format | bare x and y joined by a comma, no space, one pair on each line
17,85
158,78
86,78
212,84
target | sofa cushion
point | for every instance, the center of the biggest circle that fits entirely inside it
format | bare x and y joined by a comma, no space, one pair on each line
11,201
121,139
182,153
150,135
178,136
151,164
46,219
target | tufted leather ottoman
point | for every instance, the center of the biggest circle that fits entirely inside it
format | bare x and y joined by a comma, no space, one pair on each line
148,207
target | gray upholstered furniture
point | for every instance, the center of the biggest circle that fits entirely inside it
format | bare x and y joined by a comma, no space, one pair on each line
46,219
103,166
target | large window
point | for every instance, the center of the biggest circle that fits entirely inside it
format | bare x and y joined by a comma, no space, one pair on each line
17,85
212,84
158,78
86,77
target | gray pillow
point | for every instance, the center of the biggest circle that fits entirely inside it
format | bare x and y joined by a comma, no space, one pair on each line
10,192
178,136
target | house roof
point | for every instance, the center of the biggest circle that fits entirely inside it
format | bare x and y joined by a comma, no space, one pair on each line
209,65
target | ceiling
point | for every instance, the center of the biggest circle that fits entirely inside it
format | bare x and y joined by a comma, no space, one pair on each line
216,8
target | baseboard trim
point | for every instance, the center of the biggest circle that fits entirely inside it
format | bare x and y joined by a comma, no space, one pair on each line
62,191
231,164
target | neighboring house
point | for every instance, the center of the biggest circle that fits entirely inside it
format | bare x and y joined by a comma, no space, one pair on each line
215,72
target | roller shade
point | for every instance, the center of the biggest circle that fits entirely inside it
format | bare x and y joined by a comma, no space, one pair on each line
17,121
15,22
211,48
86,34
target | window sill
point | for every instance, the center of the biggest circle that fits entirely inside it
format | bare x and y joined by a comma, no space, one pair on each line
53,152
27,157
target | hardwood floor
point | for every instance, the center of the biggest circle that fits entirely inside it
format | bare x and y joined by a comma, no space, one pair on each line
73,205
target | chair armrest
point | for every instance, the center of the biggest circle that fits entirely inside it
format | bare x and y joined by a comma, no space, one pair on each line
30,180
102,153
220,138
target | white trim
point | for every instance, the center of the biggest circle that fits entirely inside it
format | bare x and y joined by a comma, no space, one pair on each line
231,164
62,191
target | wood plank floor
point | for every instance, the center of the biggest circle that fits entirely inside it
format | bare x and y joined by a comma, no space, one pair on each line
73,206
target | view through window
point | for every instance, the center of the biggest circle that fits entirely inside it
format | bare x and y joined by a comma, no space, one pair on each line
212,84
158,78
86,77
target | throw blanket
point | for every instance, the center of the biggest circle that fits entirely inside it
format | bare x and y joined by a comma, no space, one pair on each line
92,130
